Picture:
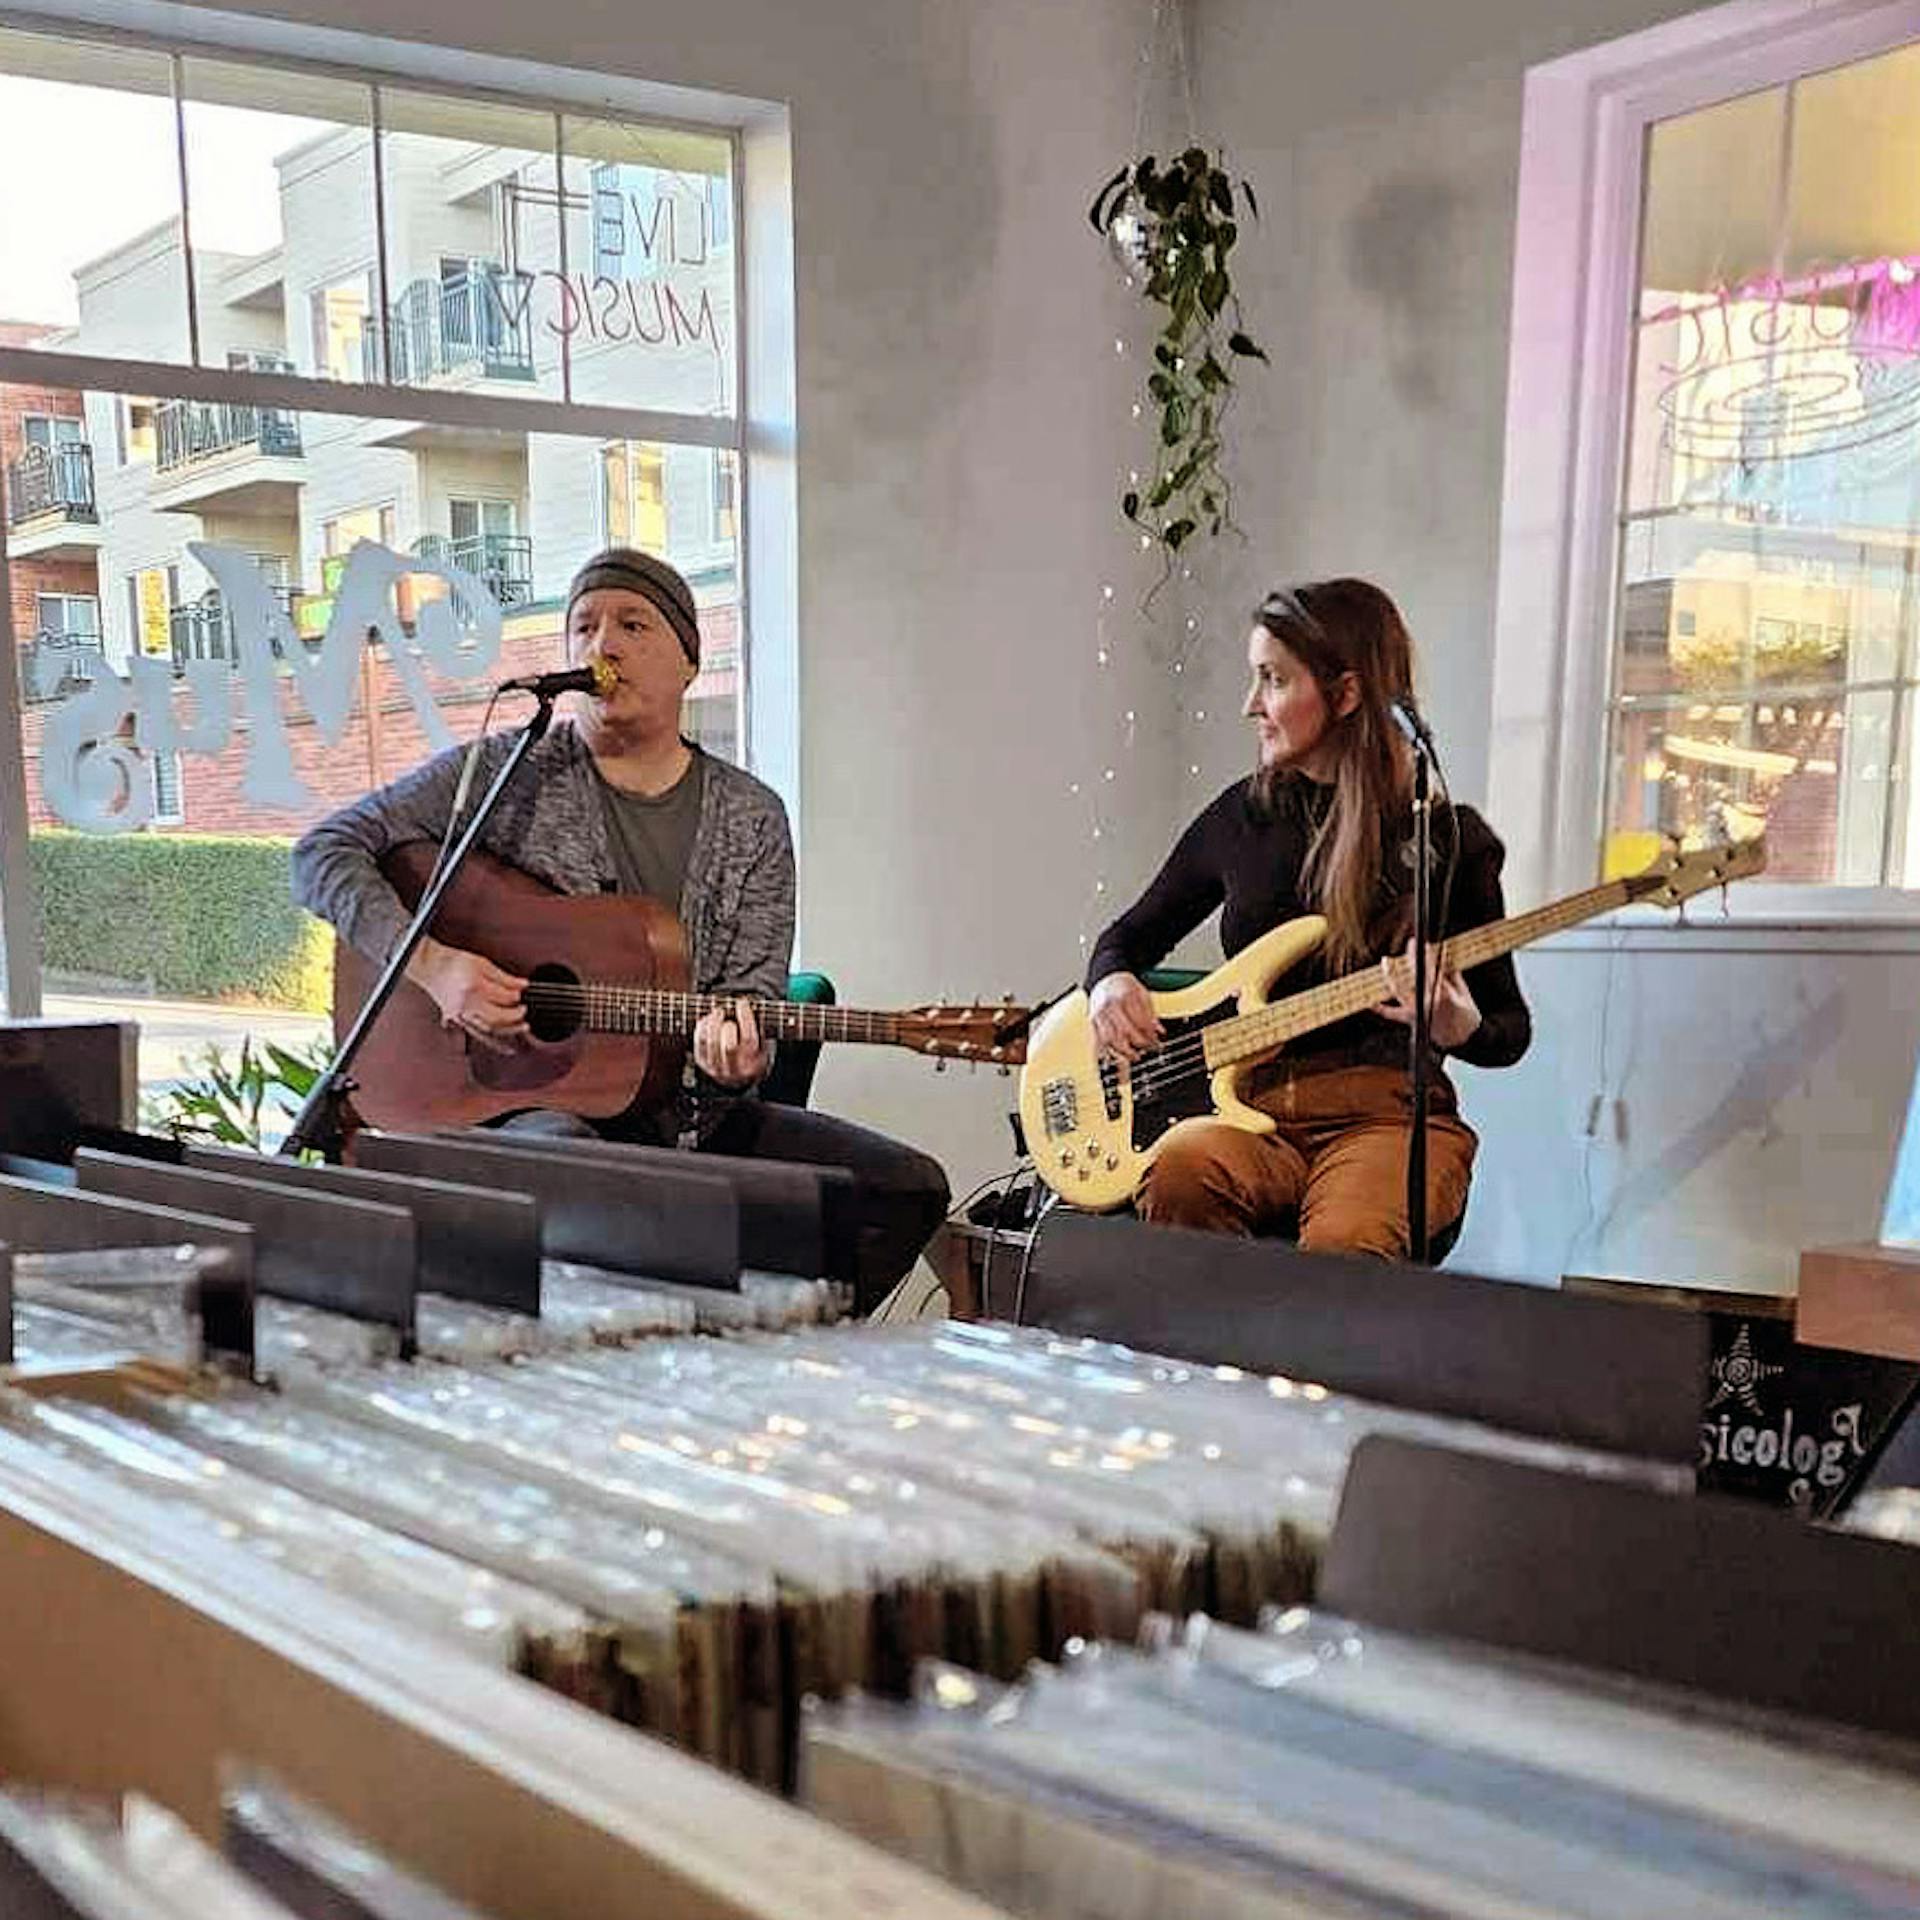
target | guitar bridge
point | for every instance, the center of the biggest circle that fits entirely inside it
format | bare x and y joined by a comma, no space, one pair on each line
1059,1107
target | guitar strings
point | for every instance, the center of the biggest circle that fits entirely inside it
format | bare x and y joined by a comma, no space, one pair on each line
1184,1057
1163,1067
1181,1058
796,1020
610,999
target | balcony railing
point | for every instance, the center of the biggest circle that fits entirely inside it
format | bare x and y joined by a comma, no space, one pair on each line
52,665
503,560
202,629
51,480
480,321
190,430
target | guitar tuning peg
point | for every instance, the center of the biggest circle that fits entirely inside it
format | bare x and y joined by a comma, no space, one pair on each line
939,1063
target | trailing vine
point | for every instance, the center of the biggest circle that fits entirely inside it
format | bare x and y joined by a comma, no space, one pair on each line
1175,226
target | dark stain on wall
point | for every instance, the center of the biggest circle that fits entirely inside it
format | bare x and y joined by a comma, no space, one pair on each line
1403,255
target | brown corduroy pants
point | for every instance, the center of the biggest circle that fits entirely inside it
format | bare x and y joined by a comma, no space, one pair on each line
1336,1163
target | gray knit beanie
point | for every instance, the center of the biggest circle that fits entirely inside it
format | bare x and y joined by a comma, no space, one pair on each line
653,580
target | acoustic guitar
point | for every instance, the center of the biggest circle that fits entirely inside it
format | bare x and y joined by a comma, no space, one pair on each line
607,1002
1094,1124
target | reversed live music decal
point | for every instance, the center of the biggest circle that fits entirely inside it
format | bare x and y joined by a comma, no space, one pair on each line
94,737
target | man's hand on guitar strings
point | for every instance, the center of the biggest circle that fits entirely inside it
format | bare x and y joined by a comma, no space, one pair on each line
473,994
1453,1017
727,1046
1122,1015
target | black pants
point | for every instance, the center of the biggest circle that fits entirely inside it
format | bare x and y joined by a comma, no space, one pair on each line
900,1193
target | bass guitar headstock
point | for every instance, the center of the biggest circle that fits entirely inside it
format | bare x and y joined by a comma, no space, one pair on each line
1676,876
994,1033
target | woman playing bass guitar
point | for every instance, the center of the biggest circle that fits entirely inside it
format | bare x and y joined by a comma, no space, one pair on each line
1322,826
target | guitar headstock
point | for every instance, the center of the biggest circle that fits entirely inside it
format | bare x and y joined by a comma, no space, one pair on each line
1677,876
994,1033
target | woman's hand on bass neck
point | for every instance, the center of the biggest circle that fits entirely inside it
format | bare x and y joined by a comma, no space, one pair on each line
1453,1018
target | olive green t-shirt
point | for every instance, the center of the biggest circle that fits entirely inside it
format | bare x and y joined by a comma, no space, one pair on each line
651,834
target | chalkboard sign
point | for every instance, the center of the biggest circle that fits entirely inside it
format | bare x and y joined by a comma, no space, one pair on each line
1788,1423
1779,1421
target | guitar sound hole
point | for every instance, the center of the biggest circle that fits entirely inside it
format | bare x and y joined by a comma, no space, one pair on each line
553,1015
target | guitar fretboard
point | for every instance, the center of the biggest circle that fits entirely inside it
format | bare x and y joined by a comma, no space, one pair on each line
606,1008
1260,1031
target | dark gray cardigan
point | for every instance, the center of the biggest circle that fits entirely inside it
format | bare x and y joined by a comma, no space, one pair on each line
737,904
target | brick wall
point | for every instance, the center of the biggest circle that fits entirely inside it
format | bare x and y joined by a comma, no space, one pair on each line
32,577
27,579
17,402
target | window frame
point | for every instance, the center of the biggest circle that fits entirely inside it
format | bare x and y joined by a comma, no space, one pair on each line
480,502
366,281
759,428
1576,257
157,765
53,422
385,509
67,600
627,453
723,498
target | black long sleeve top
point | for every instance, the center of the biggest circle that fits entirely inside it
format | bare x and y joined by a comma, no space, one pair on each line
1246,861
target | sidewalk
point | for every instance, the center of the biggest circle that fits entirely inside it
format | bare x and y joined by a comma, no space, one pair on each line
172,1032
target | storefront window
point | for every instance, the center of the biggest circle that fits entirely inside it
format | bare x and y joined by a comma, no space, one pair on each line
1767,642
201,673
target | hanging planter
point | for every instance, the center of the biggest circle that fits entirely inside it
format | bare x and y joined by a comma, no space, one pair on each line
1173,228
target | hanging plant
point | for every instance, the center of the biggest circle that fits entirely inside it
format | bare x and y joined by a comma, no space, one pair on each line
1174,227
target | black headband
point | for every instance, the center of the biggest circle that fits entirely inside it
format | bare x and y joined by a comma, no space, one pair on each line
654,580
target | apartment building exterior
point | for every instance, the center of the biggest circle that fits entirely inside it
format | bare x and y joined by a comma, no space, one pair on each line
497,276
53,523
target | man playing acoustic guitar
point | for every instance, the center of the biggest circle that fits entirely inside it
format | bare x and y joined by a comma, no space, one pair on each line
616,800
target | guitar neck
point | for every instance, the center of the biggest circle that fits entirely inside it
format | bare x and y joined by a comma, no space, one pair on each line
617,1009
1251,1034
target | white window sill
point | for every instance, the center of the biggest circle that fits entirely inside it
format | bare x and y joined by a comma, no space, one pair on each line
1748,918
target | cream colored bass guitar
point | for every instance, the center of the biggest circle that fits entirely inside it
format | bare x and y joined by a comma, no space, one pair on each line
1094,1125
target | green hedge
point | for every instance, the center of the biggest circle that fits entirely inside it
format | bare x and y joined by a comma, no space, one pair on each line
202,916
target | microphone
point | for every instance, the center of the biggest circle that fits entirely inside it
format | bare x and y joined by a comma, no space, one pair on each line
596,677
1409,719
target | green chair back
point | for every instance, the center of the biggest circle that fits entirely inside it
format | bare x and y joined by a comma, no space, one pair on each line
795,1061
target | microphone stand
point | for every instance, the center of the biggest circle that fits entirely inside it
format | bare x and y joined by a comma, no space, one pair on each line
1420,1061
321,1121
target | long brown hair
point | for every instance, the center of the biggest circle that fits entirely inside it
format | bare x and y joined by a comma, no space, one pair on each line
1334,628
